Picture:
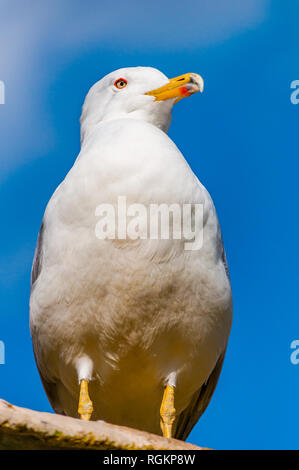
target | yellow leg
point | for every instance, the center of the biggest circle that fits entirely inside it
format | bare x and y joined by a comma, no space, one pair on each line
85,407
167,411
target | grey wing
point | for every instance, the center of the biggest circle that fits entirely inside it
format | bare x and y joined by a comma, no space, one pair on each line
224,260
200,400
50,387
37,260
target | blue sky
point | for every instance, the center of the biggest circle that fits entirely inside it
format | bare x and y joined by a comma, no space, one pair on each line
241,139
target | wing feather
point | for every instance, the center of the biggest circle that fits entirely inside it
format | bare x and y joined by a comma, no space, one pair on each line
49,386
37,260
200,400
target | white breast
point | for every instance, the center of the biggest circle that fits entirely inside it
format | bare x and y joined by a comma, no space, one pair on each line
138,310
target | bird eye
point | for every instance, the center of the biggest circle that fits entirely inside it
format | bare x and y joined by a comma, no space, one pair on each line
120,83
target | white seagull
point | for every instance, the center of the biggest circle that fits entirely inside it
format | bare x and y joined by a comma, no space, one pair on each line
130,331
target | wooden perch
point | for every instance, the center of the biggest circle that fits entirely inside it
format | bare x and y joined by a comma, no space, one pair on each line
21,428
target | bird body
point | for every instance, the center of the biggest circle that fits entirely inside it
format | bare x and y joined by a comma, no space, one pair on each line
129,315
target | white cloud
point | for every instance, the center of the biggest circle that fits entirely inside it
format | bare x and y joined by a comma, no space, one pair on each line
31,30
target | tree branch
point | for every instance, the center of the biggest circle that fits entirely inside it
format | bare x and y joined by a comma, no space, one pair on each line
21,428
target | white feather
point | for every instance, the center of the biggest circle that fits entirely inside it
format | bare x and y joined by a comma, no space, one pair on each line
127,315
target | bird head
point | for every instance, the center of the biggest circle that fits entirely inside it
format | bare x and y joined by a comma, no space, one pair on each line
138,93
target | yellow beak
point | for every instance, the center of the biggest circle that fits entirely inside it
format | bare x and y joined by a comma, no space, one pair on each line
178,87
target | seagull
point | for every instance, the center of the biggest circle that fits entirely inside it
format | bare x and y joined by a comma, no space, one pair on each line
130,330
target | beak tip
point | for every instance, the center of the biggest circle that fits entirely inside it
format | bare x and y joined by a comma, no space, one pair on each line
198,80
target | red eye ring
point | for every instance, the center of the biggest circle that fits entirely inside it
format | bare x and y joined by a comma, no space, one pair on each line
120,83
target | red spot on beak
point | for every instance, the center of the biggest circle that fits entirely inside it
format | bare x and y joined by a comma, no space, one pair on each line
185,91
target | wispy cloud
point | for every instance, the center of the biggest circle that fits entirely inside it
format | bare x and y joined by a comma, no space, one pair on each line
31,30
